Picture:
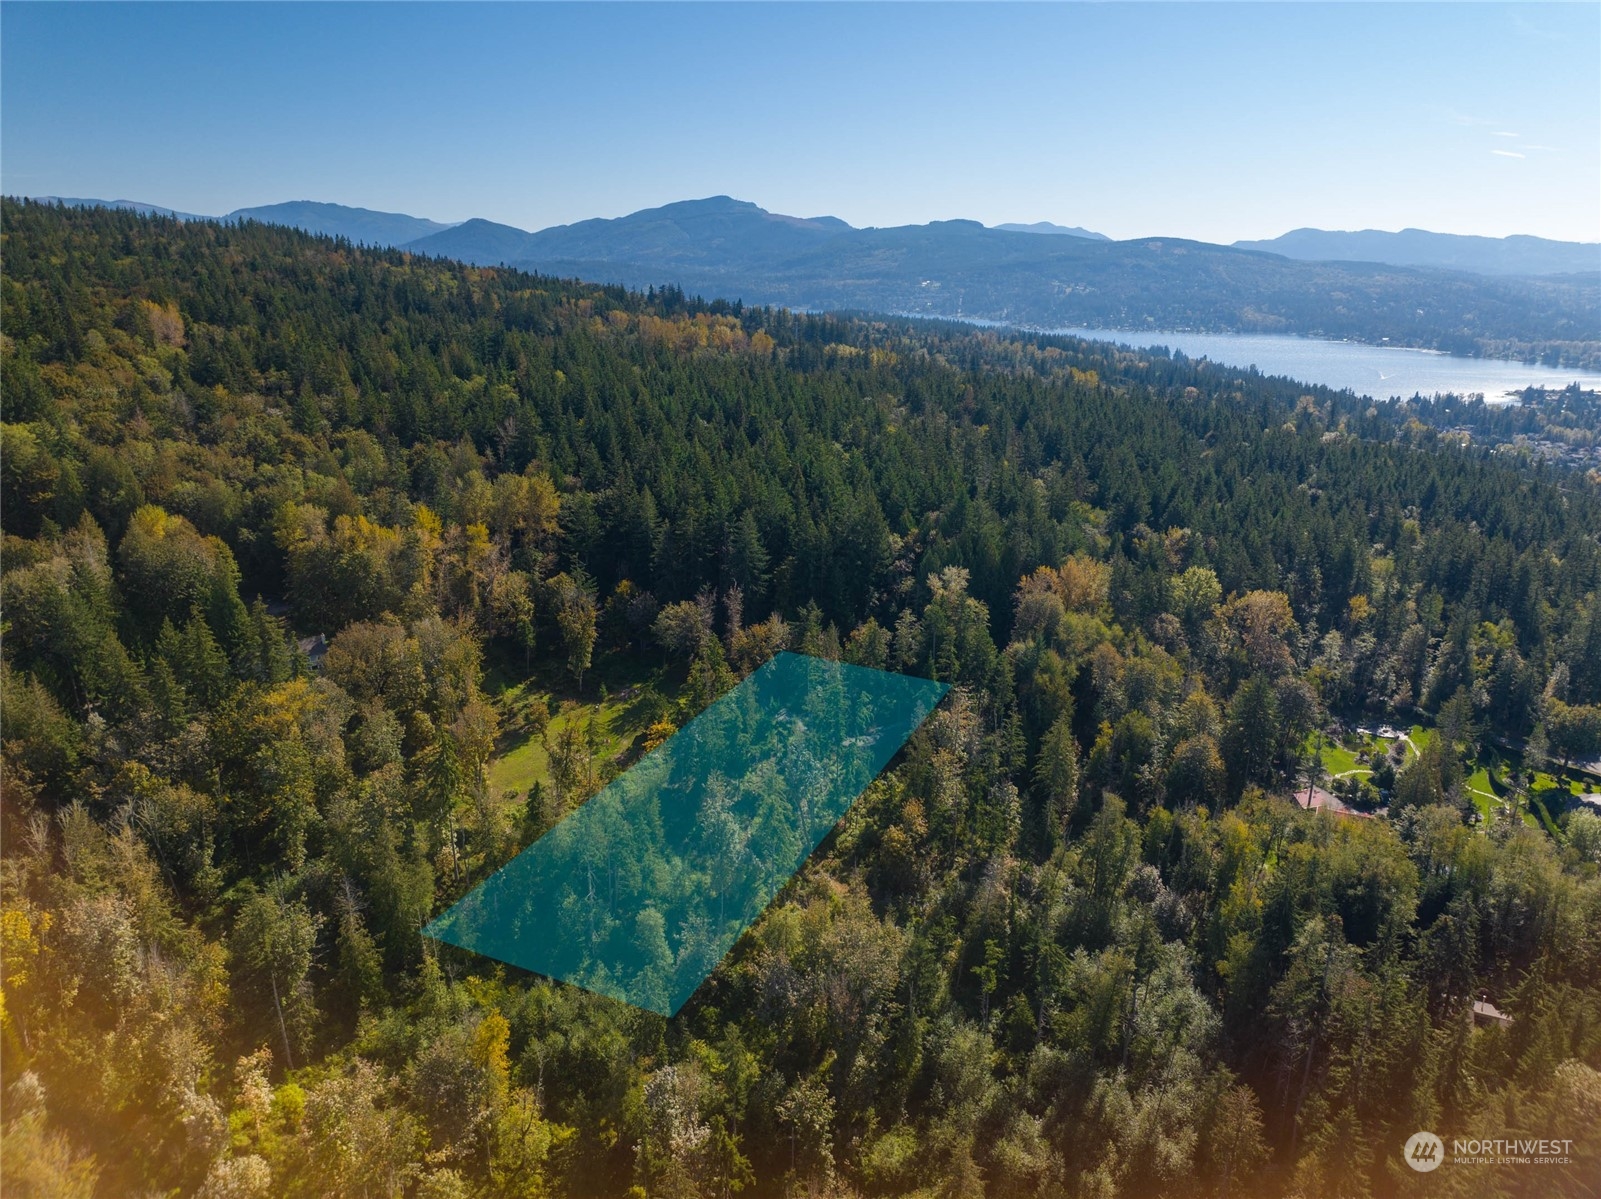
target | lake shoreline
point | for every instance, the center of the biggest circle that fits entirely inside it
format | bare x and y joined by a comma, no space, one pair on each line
1344,365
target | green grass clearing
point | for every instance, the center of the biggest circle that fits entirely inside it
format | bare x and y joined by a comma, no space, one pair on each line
523,760
1338,759
614,709
1482,791
1488,783
1540,800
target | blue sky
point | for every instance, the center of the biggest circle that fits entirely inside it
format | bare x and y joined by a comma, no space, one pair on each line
1206,120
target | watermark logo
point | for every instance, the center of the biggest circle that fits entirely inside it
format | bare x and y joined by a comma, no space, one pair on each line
1424,1151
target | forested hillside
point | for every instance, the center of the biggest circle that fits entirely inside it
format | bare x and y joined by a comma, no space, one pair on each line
1077,940
728,247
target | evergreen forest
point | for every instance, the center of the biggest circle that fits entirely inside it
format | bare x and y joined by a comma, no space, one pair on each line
333,577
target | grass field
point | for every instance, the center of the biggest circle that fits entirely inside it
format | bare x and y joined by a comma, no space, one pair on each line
1548,782
1339,759
1541,802
1344,757
1420,739
615,707
1482,791
1487,783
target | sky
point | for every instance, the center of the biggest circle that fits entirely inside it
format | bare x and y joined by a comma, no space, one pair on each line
1212,121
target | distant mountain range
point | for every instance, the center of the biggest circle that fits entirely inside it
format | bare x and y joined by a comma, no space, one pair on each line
480,239
361,225
1308,282
127,205
734,249
336,220
1055,230
700,240
1418,247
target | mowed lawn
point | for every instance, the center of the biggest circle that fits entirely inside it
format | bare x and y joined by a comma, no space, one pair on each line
1339,759
1486,786
613,711
1482,791
1547,798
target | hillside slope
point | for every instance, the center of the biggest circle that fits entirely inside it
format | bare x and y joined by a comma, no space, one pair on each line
1078,938
1517,255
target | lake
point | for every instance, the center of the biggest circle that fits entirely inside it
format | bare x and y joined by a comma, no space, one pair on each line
1381,372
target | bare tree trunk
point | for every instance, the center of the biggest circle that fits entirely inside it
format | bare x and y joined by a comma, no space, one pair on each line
1306,1077
289,1058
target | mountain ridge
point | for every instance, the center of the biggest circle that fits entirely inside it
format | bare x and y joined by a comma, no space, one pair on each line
733,249
1051,229
364,225
1519,254
138,206
368,226
737,250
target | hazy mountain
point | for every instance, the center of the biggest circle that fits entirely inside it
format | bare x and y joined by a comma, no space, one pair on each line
335,220
338,220
717,235
735,250
478,241
1517,255
721,247
129,205
1052,230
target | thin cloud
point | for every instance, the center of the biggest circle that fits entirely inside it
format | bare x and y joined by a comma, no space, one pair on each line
1501,133
1553,149
1507,153
1465,119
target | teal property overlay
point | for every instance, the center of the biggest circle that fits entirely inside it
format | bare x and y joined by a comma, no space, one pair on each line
642,891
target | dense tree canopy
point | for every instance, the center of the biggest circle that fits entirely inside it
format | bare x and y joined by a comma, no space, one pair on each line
1077,940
